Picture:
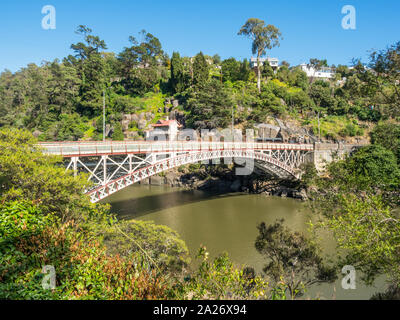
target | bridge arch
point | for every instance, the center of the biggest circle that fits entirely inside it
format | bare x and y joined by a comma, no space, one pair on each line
263,161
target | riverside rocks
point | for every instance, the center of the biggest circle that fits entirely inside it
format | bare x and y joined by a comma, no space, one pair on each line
227,182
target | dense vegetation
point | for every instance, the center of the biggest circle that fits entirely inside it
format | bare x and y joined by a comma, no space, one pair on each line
359,198
62,100
45,219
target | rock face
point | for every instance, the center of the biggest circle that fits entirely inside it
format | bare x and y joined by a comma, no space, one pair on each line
142,124
125,124
228,182
268,131
157,181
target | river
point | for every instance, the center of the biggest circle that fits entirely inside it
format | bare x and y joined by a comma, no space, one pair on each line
227,223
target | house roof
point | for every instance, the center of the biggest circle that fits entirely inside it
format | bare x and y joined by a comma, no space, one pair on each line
166,123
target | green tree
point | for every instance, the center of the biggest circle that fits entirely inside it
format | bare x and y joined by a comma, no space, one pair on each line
140,65
373,167
91,69
118,135
367,234
179,79
263,37
231,70
27,173
292,257
210,107
388,136
385,78
201,70
160,243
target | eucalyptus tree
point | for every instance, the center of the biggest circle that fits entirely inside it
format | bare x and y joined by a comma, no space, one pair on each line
89,62
264,37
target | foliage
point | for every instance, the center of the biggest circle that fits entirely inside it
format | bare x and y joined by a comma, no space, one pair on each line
162,245
201,70
367,232
291,257
179,78
388,136
26,173
118,135
220,279
263,37
83,270
210,107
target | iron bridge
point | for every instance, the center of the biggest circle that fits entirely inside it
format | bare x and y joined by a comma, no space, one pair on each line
113,166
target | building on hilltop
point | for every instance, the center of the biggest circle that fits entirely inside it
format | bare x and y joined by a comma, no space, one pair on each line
322,73
273,62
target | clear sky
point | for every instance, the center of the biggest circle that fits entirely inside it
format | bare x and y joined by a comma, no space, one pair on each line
311,28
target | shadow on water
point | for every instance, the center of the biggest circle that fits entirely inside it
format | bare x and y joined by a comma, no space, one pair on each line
139,207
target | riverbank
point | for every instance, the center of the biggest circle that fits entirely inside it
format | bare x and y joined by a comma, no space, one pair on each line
228,223
222,179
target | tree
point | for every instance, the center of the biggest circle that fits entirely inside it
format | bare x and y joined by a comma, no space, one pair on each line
27,173
179,79
263,37
388,136
162,244
230,70
91,69
201,70
374,167
118,135
216,59
367,235
385,78
210,107
139,64
291,258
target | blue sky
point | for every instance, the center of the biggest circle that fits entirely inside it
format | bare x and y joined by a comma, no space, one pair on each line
311,29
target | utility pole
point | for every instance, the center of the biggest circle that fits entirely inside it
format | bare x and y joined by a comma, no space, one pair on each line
233,124
104,115
319,128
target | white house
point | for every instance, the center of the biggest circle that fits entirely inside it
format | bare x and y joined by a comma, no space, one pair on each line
273,62
322,73
164,130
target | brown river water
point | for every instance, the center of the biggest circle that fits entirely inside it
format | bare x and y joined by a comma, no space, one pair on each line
228,223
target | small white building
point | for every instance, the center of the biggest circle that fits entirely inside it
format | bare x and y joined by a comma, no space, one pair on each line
273,62
166,130
322,73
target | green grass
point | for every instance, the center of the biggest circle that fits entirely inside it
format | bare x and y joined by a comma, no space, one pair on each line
335,127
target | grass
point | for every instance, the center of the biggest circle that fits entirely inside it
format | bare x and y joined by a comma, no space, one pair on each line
336,127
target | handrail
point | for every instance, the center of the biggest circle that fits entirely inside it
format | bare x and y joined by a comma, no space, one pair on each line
70,149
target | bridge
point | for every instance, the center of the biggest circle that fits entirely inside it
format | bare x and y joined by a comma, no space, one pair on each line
113,166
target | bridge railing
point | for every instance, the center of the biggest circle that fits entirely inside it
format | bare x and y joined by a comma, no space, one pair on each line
80,149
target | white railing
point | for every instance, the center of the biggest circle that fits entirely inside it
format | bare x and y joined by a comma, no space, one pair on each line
81,149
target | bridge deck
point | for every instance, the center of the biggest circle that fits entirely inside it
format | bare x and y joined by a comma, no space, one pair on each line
86,149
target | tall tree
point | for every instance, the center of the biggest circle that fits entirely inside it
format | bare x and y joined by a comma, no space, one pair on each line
91,69
139,63
178,76
384,78
201,70
263,37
